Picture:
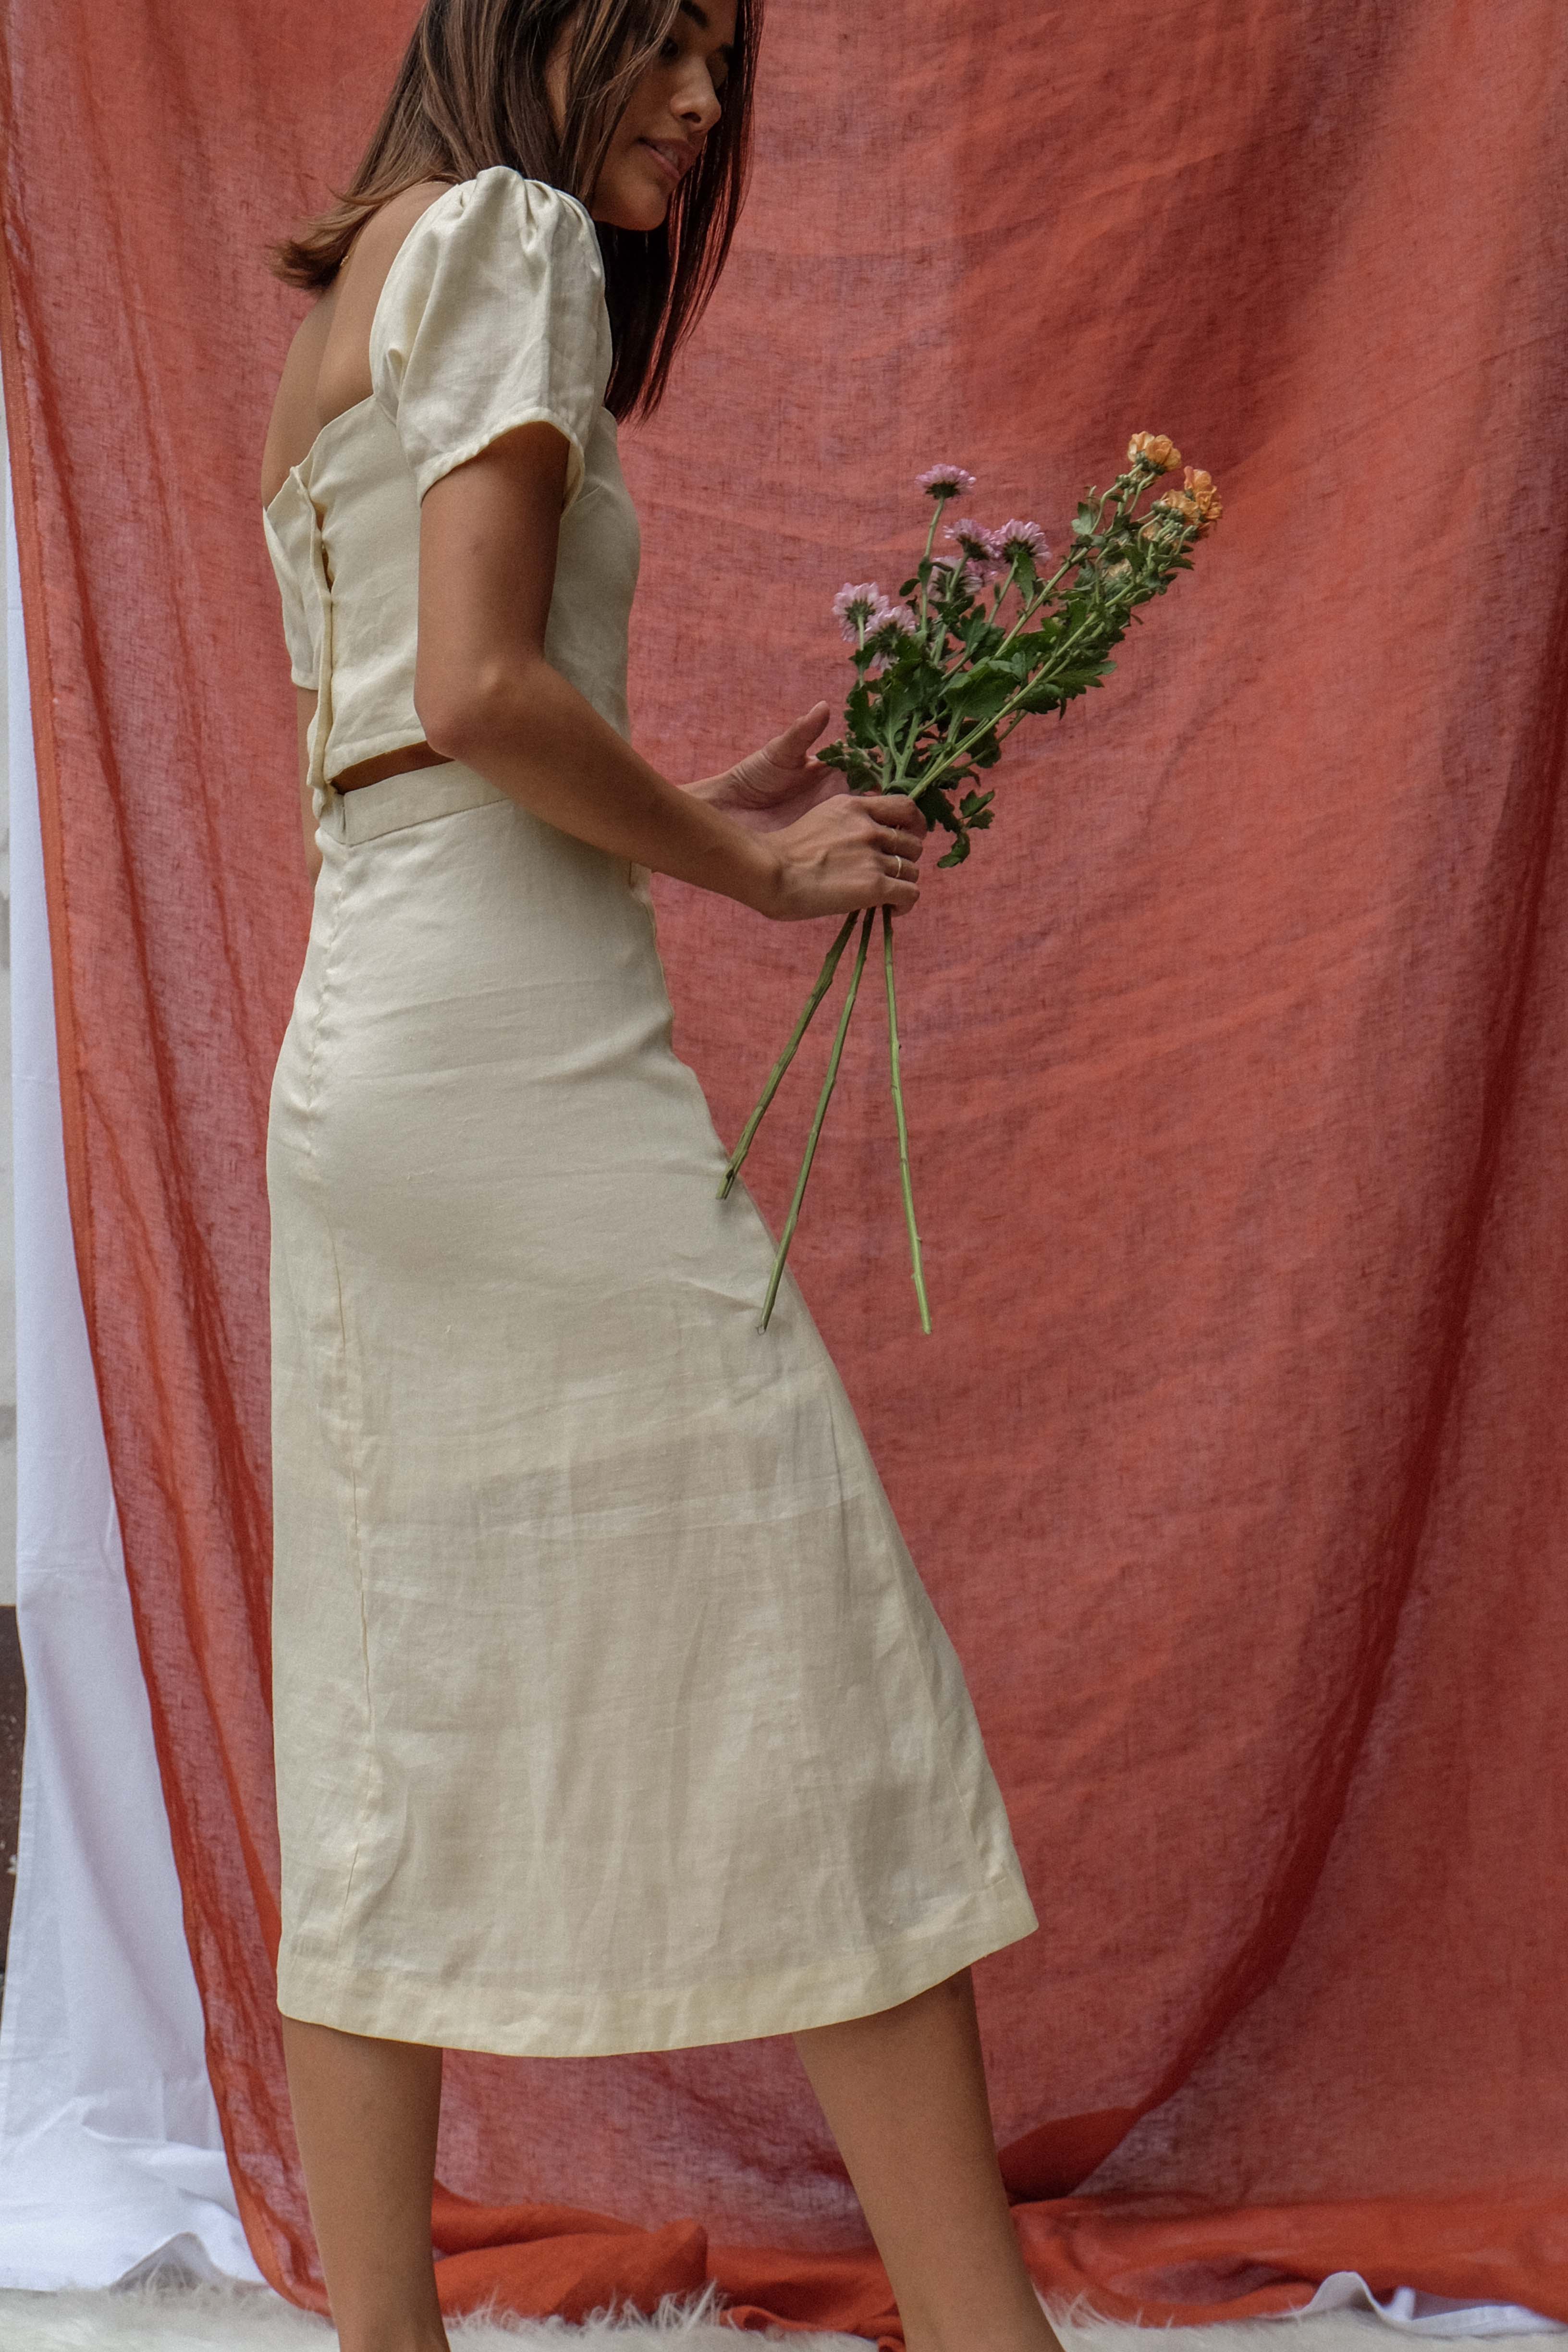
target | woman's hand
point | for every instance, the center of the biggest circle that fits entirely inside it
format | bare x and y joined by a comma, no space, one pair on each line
777,785
836,850
855,849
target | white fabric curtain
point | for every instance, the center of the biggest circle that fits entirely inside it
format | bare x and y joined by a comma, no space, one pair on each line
111,2157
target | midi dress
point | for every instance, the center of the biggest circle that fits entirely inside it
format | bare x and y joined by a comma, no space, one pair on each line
610,1713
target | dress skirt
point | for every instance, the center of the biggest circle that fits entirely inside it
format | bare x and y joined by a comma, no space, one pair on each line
610,1711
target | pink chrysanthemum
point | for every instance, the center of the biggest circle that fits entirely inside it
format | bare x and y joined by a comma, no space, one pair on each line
853,607
900,616
966,573
887,623
945,481
1014,537
974,539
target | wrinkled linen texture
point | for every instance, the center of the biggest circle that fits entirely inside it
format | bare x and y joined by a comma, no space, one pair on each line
610,1711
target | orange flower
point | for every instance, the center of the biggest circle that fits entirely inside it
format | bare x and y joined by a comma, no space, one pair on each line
1197,506
1156,449
1204,497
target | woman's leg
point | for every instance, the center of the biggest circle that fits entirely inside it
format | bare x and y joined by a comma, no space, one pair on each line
904,2092
365,2113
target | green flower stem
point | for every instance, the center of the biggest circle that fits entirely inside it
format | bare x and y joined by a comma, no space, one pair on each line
1029,604
937,507
898,1113
827,1086
823,981
958,751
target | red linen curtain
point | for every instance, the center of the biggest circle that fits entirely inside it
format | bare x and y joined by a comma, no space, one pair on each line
1236,1061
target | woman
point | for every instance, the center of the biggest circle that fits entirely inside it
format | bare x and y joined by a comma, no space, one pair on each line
610,1712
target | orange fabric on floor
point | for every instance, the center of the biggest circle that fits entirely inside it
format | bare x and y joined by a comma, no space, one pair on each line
1234,1058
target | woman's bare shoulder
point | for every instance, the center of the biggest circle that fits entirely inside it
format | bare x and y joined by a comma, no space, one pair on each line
328,367
293,425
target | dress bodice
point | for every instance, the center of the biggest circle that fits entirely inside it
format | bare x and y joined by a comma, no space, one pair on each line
492,315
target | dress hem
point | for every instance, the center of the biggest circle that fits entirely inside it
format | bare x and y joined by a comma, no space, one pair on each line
608,2025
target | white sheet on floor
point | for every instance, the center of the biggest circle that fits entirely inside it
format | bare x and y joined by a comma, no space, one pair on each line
1428,2314
109,2134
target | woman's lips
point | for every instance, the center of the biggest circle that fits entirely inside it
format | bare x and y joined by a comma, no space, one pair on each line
666,156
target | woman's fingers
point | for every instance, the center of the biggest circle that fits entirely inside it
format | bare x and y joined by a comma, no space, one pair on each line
861,849
895,852
899,844
896,809
788,748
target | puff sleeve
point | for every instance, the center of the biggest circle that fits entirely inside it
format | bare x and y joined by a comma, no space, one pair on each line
492,316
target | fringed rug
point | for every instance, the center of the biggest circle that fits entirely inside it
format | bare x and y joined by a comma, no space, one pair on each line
234,2318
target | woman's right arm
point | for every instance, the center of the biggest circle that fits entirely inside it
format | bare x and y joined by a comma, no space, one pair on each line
486,695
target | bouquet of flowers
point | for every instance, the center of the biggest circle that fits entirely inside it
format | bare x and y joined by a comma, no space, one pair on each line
979,639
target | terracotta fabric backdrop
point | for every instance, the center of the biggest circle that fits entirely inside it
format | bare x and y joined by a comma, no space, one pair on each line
1237,1061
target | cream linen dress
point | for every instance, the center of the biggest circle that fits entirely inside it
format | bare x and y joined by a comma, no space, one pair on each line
610,1712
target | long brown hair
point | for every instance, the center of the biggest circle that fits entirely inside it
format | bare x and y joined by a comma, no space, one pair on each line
470,92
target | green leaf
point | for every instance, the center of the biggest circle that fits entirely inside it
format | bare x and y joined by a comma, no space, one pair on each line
981,636
911,686
1080,674
981,692
900,697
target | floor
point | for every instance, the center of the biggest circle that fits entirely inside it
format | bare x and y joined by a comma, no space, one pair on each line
252,2319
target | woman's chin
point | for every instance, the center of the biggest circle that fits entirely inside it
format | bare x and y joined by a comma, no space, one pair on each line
631,202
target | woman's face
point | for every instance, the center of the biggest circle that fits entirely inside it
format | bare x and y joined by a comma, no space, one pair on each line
669,114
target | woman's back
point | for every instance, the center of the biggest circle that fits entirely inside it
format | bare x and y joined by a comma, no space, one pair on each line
476,308
328,366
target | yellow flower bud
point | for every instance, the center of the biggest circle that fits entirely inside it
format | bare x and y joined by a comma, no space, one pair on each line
1156,449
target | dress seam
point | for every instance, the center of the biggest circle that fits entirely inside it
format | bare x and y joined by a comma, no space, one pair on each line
350,1425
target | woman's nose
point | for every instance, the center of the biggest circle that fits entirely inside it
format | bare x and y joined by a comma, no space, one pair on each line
697,101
